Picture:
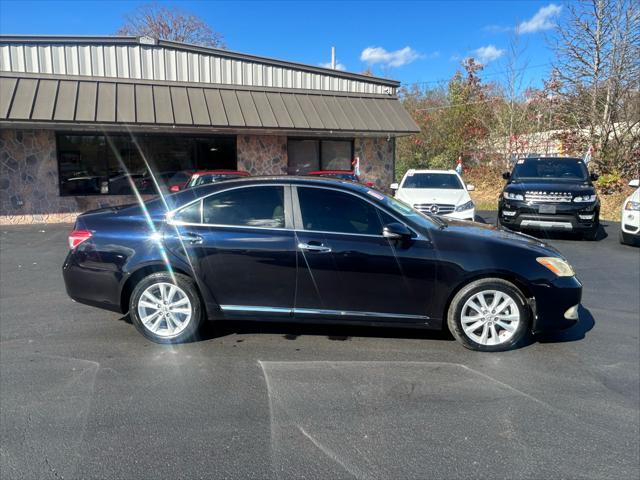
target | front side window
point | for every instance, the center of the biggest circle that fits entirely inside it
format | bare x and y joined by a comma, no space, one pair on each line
333,211
246,207
445,181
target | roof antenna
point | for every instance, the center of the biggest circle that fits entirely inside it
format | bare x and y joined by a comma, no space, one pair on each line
333,58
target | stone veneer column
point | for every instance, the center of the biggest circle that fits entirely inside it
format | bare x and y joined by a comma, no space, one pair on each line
376,160
29,185
262,154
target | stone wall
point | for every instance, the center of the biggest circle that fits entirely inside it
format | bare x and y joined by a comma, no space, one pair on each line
376,160
29,188
262,154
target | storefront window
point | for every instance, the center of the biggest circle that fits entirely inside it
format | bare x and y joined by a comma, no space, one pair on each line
308,155
114,164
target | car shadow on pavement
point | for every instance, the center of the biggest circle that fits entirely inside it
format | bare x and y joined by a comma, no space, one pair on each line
559,235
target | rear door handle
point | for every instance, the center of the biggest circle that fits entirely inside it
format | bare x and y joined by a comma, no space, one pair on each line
191,238
314,248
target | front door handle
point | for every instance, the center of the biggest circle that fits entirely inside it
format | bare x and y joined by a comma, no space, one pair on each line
314,248
191,238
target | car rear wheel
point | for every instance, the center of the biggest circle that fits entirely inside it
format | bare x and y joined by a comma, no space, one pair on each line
166,308
489,315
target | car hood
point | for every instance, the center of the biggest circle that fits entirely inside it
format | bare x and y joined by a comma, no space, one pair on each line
475,231
583,188
413,196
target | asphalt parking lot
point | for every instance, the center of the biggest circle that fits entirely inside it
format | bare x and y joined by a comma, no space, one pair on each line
83,395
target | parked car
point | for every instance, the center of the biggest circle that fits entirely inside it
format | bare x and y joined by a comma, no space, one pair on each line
203,177
630,221
167,181
439,192
315,250
340,175
550,193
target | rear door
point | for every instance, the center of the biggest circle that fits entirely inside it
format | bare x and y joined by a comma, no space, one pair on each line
348,269
243,248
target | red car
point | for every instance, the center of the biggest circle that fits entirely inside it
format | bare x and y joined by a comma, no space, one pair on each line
203,177
342,175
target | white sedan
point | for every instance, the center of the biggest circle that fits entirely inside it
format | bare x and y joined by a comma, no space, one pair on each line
630,221
439,192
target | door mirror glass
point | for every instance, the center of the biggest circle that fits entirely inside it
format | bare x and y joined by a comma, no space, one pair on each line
394,186
634,183
506,175
396,231
594,176
470,188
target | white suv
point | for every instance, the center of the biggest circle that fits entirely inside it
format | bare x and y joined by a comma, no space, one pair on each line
439,192
630,221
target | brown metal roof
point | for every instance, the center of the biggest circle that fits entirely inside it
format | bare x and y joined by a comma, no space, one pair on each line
25,99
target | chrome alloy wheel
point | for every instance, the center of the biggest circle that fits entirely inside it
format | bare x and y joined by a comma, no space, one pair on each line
490,317
164,309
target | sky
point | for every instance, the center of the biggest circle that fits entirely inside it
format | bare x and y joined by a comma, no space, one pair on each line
410,41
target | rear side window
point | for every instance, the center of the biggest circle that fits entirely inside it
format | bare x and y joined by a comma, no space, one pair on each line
246,207
189,214
332,211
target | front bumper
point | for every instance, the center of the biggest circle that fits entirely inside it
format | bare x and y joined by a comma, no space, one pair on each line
567,217
556,304
630,222
463,215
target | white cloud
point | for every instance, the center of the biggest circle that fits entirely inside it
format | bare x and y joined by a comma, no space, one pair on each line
339,66
487,54
397,58
542,20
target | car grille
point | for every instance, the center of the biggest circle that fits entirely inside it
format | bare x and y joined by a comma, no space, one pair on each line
435,208
548,197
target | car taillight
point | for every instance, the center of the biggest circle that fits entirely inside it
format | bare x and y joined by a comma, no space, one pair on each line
174,188
77,237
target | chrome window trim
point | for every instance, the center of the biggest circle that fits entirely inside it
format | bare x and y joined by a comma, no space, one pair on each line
170,221
315,311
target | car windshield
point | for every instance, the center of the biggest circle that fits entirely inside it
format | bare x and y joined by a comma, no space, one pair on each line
556,168
447,181
211,178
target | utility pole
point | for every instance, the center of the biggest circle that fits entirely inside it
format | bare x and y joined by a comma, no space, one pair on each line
333,58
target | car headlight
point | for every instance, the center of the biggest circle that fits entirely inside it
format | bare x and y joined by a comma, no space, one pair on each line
465,206
513,196
585,198
557,265
632,206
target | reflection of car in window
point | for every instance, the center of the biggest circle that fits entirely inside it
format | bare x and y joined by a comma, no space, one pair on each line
167,181
550,193
204,177
314,249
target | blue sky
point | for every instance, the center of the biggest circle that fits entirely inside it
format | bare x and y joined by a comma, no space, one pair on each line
418,41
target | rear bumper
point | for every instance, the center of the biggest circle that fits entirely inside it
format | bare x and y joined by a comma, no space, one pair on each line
568,217
556,304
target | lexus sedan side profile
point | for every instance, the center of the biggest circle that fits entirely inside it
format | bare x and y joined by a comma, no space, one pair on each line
315,250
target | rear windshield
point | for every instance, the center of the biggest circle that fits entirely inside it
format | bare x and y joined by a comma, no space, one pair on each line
547,168
433,180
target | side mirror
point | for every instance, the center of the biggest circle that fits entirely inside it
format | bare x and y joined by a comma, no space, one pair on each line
594,176
174,188
506,175
470,188
394,186
634,183
396,231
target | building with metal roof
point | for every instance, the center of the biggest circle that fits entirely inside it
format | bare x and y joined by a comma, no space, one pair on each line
83,119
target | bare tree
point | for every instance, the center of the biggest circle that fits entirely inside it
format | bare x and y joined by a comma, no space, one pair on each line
153,20
598,68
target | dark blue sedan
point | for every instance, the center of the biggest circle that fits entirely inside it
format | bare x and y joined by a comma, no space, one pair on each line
315,250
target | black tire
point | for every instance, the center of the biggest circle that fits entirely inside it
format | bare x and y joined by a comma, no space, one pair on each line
593,233
186,285
454,314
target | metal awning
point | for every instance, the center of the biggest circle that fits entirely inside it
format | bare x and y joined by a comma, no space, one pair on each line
107,103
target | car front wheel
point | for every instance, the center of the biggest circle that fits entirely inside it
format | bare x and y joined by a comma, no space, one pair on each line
489,315
166,308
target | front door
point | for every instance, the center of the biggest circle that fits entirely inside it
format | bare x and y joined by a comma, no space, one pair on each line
244,250
347,268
